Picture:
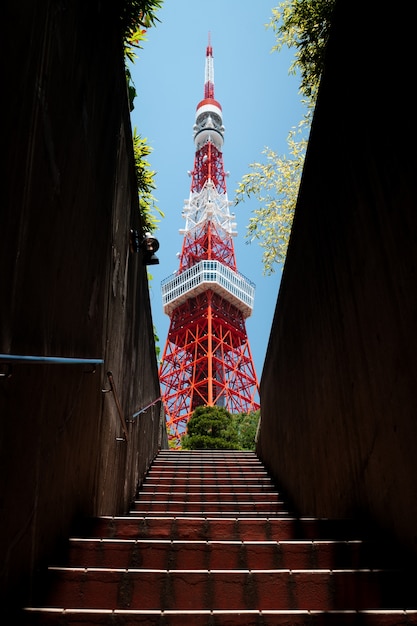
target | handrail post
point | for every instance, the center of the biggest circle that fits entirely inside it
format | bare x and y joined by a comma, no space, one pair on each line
116,399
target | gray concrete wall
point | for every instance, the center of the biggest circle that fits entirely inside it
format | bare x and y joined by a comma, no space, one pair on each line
69,285
338,389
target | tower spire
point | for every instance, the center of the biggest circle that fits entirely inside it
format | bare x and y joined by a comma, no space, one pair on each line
209,72
207,358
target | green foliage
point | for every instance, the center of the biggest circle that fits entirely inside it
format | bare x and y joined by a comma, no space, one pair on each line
214,428
209,428
172,444
156,340
245,426
136,17
274,183
145,178
304,25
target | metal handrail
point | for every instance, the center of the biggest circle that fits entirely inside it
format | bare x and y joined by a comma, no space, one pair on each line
118,405
10,359
19,358
148,406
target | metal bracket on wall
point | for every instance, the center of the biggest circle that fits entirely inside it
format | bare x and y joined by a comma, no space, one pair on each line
7,371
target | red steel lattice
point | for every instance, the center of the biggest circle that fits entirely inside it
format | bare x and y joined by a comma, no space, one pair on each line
206,361
207,241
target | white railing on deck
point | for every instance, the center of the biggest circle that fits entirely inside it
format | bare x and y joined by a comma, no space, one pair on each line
230,285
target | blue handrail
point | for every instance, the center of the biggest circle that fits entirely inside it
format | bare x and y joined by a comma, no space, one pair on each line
148,406
19,358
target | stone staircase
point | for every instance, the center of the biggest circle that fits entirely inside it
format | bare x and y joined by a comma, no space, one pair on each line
209,541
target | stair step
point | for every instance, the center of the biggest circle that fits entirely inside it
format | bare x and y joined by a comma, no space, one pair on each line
68,617
209,497
206,482
248,489
215,528
194,454
171,555
207,461
200,467
181,508
226,475
319,590
218,463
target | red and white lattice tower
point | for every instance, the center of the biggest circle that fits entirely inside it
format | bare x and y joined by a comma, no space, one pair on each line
207,358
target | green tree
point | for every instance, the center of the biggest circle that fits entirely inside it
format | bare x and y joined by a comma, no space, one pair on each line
245,426
214,428
303,25
210,428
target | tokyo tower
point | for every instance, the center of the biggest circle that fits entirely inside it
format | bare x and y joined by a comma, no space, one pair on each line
207,359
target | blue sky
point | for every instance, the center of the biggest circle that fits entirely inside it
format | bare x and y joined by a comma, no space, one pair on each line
260,104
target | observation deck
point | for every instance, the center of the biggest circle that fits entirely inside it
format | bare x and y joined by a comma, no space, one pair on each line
229,284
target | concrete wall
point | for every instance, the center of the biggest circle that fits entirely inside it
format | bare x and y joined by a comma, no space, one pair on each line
69,285
339,385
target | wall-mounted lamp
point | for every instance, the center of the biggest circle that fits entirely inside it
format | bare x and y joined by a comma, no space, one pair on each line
149,246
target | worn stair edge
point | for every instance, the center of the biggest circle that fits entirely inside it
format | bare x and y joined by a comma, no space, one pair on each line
253,487
47,617
244,493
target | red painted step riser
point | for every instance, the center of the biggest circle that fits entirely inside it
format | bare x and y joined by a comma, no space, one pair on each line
221,529
202,467
195,456
191,461
204,470
207,507
189,500
242,619
155,590
226,476
222,556
208,497
210,471
220,455
236,489
180,483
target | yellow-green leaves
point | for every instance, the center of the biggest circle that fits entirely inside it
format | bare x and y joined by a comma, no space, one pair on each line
304,25
145,177
274,183
137,16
